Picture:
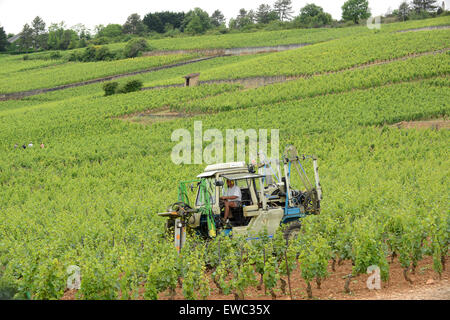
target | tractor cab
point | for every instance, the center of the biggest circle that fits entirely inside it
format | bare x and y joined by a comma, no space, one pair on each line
248,182
244,177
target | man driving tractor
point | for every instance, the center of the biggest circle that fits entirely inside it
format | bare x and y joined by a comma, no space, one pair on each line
249,200
232,199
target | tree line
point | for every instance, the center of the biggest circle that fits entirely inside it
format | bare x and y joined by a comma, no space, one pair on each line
417,9
58,36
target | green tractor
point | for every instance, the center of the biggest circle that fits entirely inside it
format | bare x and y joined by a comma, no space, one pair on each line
268,199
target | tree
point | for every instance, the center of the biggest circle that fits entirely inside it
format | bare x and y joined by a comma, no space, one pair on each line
57,26
196,21
134,25
55,34
69,40
26,37
154,23
61,38
217,18
312,15
244,18
195,26
310,10
424,5
3,40
284,9
232,24
110,31
252,16
403,10
83,32
265,14
43,41
38,26
160,21
355,10
98,28
135,47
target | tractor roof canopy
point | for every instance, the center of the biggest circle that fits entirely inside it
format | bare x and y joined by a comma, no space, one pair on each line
224,166
242,176
230,167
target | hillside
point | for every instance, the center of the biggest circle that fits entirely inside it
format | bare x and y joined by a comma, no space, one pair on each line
90,196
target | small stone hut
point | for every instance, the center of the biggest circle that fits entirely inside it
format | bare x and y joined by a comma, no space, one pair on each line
191,80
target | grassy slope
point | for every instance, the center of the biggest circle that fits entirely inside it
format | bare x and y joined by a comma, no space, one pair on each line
99,181
115,172
79,71
19,75
330,56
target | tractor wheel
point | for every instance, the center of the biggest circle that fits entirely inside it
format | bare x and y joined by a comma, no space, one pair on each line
292,230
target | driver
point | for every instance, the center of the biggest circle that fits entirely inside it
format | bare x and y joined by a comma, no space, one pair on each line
232,198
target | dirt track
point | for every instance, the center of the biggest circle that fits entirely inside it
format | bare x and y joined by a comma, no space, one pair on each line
428,124
425,29
439,291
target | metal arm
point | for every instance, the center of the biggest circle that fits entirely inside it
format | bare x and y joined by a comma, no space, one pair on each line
316,176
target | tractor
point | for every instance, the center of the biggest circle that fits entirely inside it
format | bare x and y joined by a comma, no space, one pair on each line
269,199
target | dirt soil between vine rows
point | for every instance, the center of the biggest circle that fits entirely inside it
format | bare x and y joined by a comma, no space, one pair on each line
426,286
436,124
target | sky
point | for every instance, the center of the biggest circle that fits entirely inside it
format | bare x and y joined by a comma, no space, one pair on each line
15,13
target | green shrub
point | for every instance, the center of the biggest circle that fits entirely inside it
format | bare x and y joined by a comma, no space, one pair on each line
135,47
94,53
110,88
103,54
113,87
172,33
274,26
46,55
82,43
55,55
420,15
155,35
7,290
131,86
88,54
100,40
74,56
126,38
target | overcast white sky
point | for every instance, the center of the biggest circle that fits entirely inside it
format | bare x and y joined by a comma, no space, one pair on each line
15,13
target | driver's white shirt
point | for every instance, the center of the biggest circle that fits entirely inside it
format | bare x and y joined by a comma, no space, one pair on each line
234,191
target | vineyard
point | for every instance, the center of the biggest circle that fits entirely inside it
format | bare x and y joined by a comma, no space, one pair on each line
337,54
89,198
269,38
76,71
